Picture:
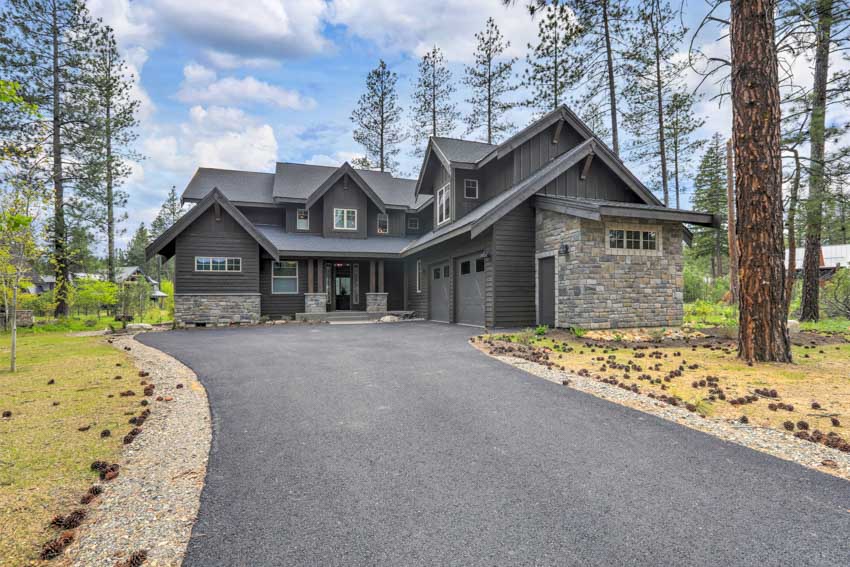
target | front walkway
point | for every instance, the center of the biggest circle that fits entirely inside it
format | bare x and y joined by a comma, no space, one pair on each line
402,445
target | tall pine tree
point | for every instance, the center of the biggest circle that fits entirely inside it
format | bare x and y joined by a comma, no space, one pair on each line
377,120
45,47
490,80
551,69
710,197
434,113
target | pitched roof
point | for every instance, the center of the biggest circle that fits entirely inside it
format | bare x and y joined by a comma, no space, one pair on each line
238,186
214,198
293,244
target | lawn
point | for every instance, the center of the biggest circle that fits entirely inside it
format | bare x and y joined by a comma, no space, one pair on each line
709,379
44,459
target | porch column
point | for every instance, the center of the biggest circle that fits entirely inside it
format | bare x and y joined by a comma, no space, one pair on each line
309,275
320,277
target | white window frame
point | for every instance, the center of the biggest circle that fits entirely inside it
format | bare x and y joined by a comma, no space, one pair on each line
418,276
415,225
386,216
470,184
226,259
345,219
298,221
626,228
274,277
444,209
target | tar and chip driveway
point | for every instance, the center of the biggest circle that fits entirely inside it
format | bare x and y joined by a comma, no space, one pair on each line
402,445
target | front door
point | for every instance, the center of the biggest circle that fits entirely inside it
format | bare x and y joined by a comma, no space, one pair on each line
440,285
342,286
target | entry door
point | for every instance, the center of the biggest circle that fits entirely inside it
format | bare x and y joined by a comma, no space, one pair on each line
471,282
440,282
546,291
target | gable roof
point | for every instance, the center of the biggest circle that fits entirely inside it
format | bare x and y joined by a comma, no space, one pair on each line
342,171
239,186
217,198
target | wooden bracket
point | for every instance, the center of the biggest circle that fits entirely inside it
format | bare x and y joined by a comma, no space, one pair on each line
586,168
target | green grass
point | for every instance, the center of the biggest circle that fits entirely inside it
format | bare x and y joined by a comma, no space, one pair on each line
44,459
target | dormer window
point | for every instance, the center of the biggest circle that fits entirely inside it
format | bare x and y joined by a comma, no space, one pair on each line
443,204
470,188
302,219
383,223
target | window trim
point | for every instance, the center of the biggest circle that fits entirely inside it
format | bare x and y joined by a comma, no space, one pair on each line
447,190
465,187
273,277
378,224
297,220
416,223
418,276
626,228
344,218
226,261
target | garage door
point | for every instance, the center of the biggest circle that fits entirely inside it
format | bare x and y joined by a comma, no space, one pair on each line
469,273
440,281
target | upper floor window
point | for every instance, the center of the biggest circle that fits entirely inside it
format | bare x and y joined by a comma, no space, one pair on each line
443,204
470,188
638,239
302,219
383,223
345,219
217,264
412,223
285,276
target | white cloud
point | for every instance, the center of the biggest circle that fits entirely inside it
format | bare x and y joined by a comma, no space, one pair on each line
417,26
202,85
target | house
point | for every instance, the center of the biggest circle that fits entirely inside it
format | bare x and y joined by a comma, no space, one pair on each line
546,227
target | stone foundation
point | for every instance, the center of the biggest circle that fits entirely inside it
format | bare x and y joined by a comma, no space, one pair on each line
376,302
221,309
597,289
315,302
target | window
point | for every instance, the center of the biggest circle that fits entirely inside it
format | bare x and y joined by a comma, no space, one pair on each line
302,217
418,275
285,276
443,204
479,265
465,267
345,219
412,223
470,188
638,240
217,264
383,223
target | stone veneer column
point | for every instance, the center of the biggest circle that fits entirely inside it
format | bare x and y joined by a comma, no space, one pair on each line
376,302
315,302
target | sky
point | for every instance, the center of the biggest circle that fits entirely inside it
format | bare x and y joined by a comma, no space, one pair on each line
243,84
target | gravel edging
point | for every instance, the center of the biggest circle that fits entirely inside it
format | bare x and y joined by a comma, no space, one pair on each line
153,503
762,439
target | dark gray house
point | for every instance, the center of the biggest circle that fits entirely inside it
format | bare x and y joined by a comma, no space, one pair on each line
547,227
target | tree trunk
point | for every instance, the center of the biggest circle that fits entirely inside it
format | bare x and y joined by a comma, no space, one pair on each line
810,308
60,253
734,286
792,232
762,325
662,149
612,93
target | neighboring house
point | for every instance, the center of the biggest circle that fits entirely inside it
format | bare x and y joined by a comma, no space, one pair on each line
547,227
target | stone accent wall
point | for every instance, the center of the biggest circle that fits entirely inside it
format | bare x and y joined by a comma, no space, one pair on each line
216,309
376,302
315,302
600,290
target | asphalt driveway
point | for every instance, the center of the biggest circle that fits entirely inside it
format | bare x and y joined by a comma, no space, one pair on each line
402,445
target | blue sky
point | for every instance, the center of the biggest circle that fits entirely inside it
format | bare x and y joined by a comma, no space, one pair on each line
244,84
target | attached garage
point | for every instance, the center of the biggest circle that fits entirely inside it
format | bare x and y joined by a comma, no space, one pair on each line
470,288
440,284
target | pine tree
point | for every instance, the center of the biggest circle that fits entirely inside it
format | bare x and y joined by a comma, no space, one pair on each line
710,197
490,80
681,126
652,77
551,69
112,131
433,111
377,120
45,46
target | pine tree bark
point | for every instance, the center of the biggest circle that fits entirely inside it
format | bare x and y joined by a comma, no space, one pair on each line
612,93
60,253
762,327
810,308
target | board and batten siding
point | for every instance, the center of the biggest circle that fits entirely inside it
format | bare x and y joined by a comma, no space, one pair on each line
513,270
210,237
